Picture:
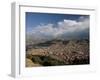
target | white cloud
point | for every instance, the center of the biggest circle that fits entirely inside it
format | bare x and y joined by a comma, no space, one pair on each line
62,27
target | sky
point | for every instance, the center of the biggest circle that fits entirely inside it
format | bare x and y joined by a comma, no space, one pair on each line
60,26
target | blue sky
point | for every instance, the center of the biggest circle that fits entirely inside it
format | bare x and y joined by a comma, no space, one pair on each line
53,25
34,19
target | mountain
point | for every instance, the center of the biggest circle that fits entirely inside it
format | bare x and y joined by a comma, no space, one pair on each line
59,52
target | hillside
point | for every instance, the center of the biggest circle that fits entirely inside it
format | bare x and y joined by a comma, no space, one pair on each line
58,52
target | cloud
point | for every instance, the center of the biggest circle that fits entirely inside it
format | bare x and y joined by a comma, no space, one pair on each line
66,29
